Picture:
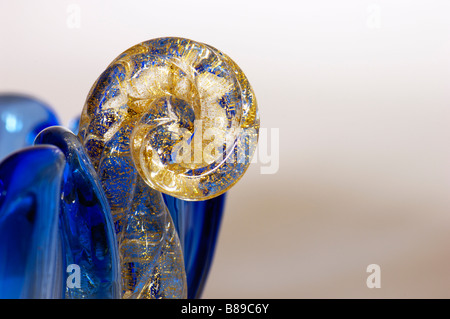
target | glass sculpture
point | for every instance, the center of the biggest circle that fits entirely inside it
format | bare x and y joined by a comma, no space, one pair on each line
186,110
167,129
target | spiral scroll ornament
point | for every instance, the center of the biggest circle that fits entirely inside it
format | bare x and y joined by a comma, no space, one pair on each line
189,109
168,115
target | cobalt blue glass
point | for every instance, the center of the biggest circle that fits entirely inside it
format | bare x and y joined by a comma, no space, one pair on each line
30,254
86,226
197,224
21,119
74,124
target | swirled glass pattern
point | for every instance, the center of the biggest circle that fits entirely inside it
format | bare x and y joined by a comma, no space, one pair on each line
168,115
189,110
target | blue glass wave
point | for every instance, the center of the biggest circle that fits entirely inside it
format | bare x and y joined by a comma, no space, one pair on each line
30,255
197,224
21,120
86,225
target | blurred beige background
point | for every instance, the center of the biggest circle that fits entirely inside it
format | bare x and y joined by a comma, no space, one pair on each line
359,91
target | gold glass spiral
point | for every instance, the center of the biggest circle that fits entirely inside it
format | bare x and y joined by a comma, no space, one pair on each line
168,115
191,113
